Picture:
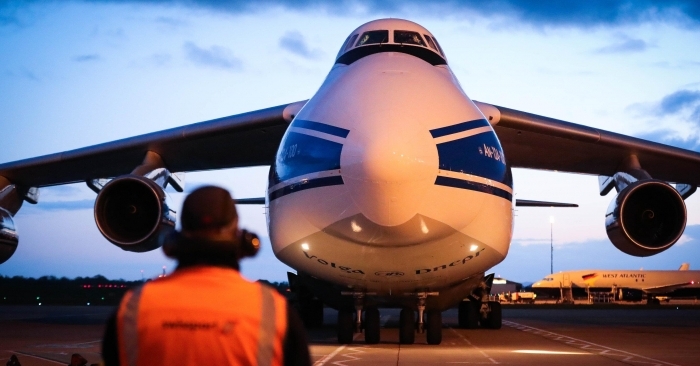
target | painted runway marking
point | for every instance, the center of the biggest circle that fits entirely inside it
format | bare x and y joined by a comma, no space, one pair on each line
475,347
328,357
69,345
39,357
353,350
594,348
350,356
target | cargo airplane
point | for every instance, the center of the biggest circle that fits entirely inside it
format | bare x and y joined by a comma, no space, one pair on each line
624,285
390,187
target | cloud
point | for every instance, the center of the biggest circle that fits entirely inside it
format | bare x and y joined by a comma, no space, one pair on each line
677,101
673,138
294,42
625,44
86,58
22,73
215,56
171,22
584,14
61,205
682,107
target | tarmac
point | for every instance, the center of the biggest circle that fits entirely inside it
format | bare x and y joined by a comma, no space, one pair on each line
531,335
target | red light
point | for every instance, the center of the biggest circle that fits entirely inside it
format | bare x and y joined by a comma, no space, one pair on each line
99,285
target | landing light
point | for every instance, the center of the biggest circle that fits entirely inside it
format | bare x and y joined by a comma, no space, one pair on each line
305,246
543,352
473,248
355,227
423,227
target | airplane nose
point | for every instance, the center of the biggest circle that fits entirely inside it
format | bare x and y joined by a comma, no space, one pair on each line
388,169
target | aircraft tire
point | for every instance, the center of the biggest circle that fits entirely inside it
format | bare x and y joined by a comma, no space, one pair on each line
407,326
372,326
495,318
434,325
345,326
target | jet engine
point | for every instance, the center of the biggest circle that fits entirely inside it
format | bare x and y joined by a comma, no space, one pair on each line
8,236
132,213
646,218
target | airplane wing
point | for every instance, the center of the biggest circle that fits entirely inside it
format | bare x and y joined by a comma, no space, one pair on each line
250,139
247,139
666,288
537,142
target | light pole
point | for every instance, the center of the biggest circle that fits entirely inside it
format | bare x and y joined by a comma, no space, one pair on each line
551,245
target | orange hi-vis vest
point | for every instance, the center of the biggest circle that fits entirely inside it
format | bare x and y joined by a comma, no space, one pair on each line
201,316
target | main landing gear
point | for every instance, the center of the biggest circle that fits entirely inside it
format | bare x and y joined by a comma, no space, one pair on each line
351,322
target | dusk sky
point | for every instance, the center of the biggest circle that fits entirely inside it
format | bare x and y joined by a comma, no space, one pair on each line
77,73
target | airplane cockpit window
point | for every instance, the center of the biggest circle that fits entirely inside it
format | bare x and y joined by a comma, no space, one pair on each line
438,46
352,41
347,44
430,42
361,44
373,37
344,46
548,279
407,37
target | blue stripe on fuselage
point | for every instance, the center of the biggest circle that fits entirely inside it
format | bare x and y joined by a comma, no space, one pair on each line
306,184
321,127
479,155
472,186
302,154
464,126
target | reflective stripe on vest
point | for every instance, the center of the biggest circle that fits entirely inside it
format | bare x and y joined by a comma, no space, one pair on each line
266,345
130,333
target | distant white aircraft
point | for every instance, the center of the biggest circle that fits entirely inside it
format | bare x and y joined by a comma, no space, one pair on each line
388,188
624,284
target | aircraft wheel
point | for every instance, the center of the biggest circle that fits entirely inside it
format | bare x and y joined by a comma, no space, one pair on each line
407,326
495,319
345,326
372,325
434,333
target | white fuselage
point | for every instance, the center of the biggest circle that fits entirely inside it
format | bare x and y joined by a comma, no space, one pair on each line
370,189
648,281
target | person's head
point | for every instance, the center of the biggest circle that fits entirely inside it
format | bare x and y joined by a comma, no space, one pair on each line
209,213
209,232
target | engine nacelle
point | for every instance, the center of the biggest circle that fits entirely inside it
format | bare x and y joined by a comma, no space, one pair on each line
646,218
132,213
8,236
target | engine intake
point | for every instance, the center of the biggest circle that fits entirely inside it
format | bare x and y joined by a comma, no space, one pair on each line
8,236
646,218
132,213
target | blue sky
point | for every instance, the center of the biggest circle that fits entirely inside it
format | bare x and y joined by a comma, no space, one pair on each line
76,73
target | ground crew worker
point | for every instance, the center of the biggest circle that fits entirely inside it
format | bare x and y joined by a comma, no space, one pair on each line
205,313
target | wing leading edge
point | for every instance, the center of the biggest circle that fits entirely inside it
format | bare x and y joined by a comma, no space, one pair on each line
537,142
241,140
